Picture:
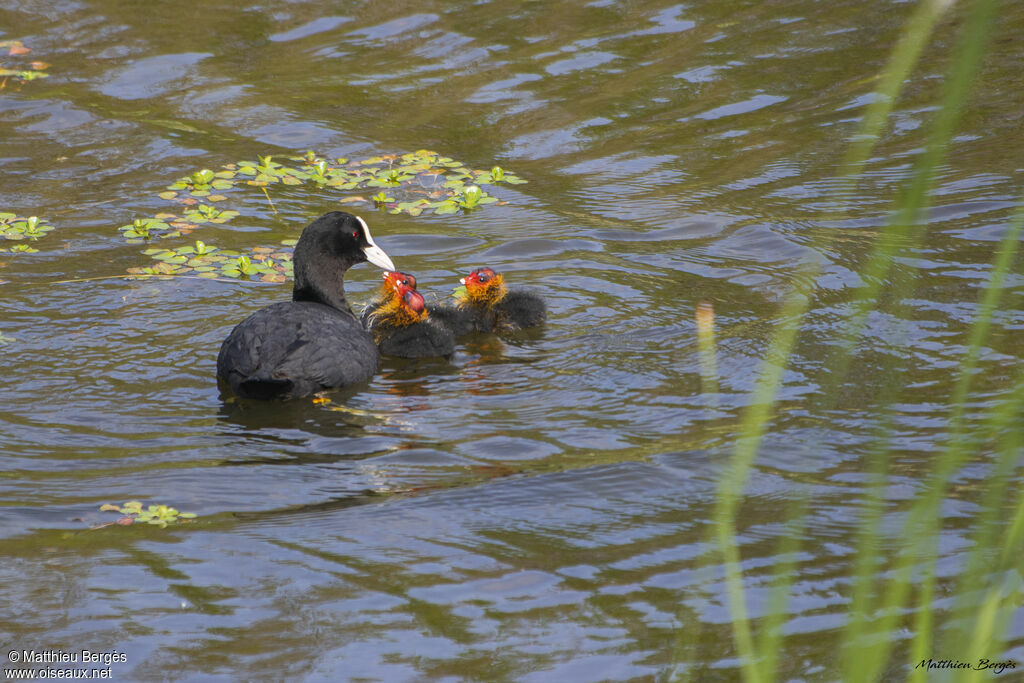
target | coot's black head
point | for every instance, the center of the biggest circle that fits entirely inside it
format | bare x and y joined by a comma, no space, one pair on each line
328,247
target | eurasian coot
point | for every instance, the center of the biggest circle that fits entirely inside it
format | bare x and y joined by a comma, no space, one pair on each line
313,342
488,305
400,324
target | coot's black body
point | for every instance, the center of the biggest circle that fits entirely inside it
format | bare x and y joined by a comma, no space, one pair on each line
425,339
296,348
314,342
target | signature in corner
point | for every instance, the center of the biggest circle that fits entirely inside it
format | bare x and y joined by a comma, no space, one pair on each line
982,664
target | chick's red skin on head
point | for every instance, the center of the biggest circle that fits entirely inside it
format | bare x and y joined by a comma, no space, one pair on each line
389,289
488,305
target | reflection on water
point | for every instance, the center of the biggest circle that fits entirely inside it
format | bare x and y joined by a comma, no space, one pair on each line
537,508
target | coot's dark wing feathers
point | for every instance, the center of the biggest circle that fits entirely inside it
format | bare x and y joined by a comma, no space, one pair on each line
296,348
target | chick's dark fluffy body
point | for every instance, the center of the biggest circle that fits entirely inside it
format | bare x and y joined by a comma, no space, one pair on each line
428,338
518,309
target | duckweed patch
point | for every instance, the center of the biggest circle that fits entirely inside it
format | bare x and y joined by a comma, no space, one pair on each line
157,515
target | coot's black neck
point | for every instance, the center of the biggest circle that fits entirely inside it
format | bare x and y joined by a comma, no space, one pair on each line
322,280
335,297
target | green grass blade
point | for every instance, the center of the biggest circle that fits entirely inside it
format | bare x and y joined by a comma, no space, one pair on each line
758,415
769,645
904,57
904,231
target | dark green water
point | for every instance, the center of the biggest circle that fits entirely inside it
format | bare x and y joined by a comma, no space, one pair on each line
539,508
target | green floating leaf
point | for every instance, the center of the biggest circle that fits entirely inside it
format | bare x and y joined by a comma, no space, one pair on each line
203,177
13,227
157,515
471,196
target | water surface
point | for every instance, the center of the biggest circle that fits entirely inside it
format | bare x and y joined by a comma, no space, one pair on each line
539,508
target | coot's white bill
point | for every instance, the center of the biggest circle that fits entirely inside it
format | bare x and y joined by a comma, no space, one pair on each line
374,254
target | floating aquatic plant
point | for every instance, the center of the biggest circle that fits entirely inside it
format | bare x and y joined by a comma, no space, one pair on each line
13,227
158,515
201,183
266,264
15,48
469,197
411,183
203,213
147,228
20,248
165,225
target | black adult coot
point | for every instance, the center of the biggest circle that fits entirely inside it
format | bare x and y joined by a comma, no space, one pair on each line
313,342
486,304
400,324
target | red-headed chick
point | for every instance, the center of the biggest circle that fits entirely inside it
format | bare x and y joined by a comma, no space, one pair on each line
484,303
400,323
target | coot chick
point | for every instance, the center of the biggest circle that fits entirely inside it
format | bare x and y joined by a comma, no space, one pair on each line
488,305
313,342
400,324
